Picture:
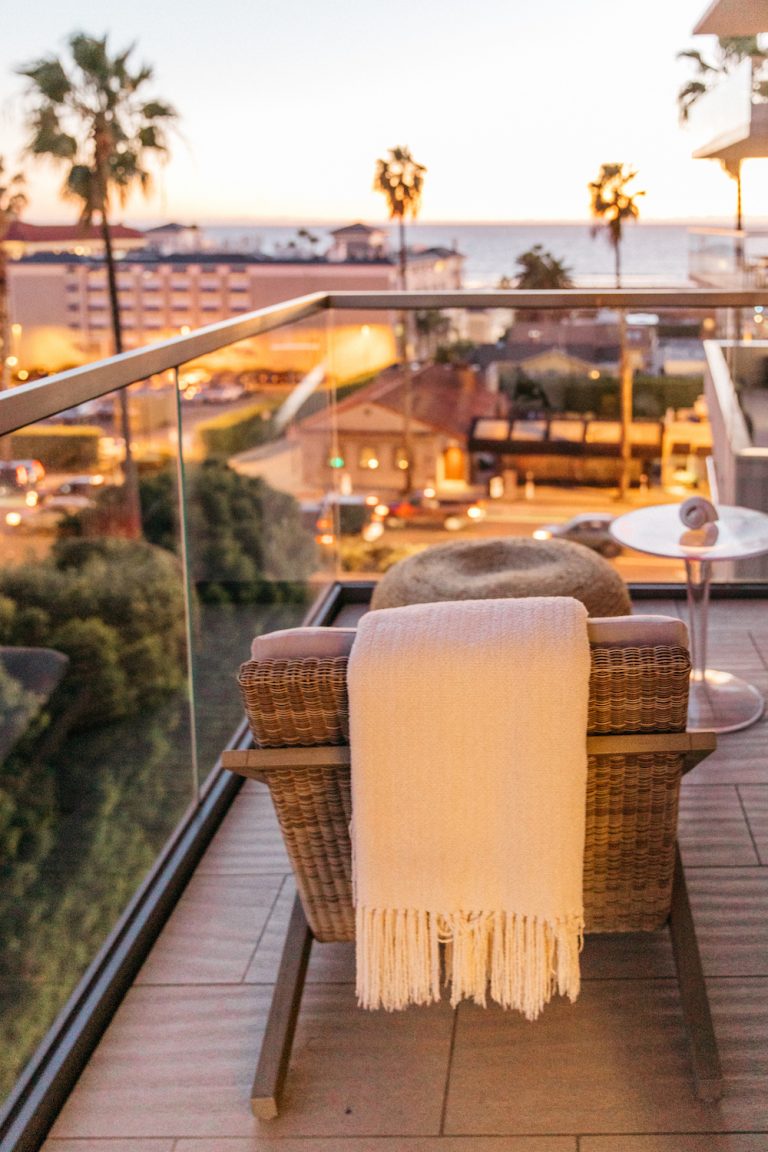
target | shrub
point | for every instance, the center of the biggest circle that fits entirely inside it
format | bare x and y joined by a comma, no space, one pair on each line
234,431
116,609
246,539
59,447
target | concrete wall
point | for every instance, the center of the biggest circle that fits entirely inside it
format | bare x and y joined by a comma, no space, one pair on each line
741,469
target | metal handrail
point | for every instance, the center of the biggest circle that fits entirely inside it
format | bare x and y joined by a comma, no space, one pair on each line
27,403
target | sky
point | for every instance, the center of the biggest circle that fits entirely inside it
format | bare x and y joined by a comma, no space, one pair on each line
285,106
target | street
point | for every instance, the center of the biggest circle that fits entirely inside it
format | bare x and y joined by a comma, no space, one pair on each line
551,505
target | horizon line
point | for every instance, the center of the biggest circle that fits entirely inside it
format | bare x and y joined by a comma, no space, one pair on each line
213,221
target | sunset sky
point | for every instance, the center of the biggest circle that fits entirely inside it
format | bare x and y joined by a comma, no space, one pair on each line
286,104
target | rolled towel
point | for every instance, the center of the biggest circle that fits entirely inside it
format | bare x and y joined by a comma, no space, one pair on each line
696,512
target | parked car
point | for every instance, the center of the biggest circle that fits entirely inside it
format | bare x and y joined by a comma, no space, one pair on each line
75,493
351,515
593,529
425,509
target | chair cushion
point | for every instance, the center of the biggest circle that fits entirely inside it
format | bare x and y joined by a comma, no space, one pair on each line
637,631
294,643
325,643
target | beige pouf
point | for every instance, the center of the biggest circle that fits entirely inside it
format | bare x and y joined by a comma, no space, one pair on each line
497,568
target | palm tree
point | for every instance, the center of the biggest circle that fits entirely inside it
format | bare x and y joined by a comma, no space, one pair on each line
540,269
611,203
12,203
401,180
91,116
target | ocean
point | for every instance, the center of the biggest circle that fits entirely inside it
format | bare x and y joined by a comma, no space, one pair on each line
652,255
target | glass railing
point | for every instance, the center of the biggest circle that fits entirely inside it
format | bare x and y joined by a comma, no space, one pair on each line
191,495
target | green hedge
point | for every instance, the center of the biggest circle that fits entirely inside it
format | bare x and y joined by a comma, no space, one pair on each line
58,447
651,395
235,431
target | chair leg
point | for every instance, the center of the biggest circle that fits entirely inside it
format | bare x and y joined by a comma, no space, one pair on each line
283,1013
708,1076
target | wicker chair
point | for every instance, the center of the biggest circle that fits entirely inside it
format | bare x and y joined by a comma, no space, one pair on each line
638,750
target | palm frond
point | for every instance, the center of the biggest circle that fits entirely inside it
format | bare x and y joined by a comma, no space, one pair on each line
49,78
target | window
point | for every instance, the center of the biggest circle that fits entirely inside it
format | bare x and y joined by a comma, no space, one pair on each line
368,458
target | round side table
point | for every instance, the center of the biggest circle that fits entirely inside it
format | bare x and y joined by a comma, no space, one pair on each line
718,701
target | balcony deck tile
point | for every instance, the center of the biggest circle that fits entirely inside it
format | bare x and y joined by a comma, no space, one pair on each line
213,931
730,910
377,1144
713,828
173,1063
139,1145
615,1062
248,840
755,800
679,1142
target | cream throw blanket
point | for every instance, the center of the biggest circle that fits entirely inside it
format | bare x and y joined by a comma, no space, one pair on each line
468,723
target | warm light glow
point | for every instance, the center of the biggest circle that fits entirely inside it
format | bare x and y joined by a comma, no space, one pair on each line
23,374
542,534
11,361
31,499
13,519
475,513
16,328
373,463
594,374
381,510
371,501
429,493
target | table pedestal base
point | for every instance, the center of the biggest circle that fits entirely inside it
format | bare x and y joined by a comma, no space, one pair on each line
720,702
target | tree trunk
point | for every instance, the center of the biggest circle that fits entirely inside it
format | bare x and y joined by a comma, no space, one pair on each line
739,226
403,263
406,366
5,441
617,262
625,385
132,525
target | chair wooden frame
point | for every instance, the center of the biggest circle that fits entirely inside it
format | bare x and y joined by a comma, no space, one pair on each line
309,784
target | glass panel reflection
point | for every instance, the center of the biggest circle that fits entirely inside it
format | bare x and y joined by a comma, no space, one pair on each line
95,760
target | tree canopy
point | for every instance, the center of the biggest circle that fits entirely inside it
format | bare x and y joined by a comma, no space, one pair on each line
540,269
90,115
612,204
401,180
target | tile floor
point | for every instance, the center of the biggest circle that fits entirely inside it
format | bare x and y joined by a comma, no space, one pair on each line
609,1074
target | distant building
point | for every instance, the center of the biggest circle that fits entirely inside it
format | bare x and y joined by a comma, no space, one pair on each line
59,294
366,434
555,349
358,242
169,238
25,239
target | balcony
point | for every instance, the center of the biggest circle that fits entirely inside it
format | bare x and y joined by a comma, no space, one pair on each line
153,892
730,122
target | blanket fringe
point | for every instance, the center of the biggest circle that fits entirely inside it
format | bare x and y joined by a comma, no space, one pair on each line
520,960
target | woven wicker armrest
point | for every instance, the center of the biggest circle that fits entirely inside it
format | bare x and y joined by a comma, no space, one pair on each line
292,703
